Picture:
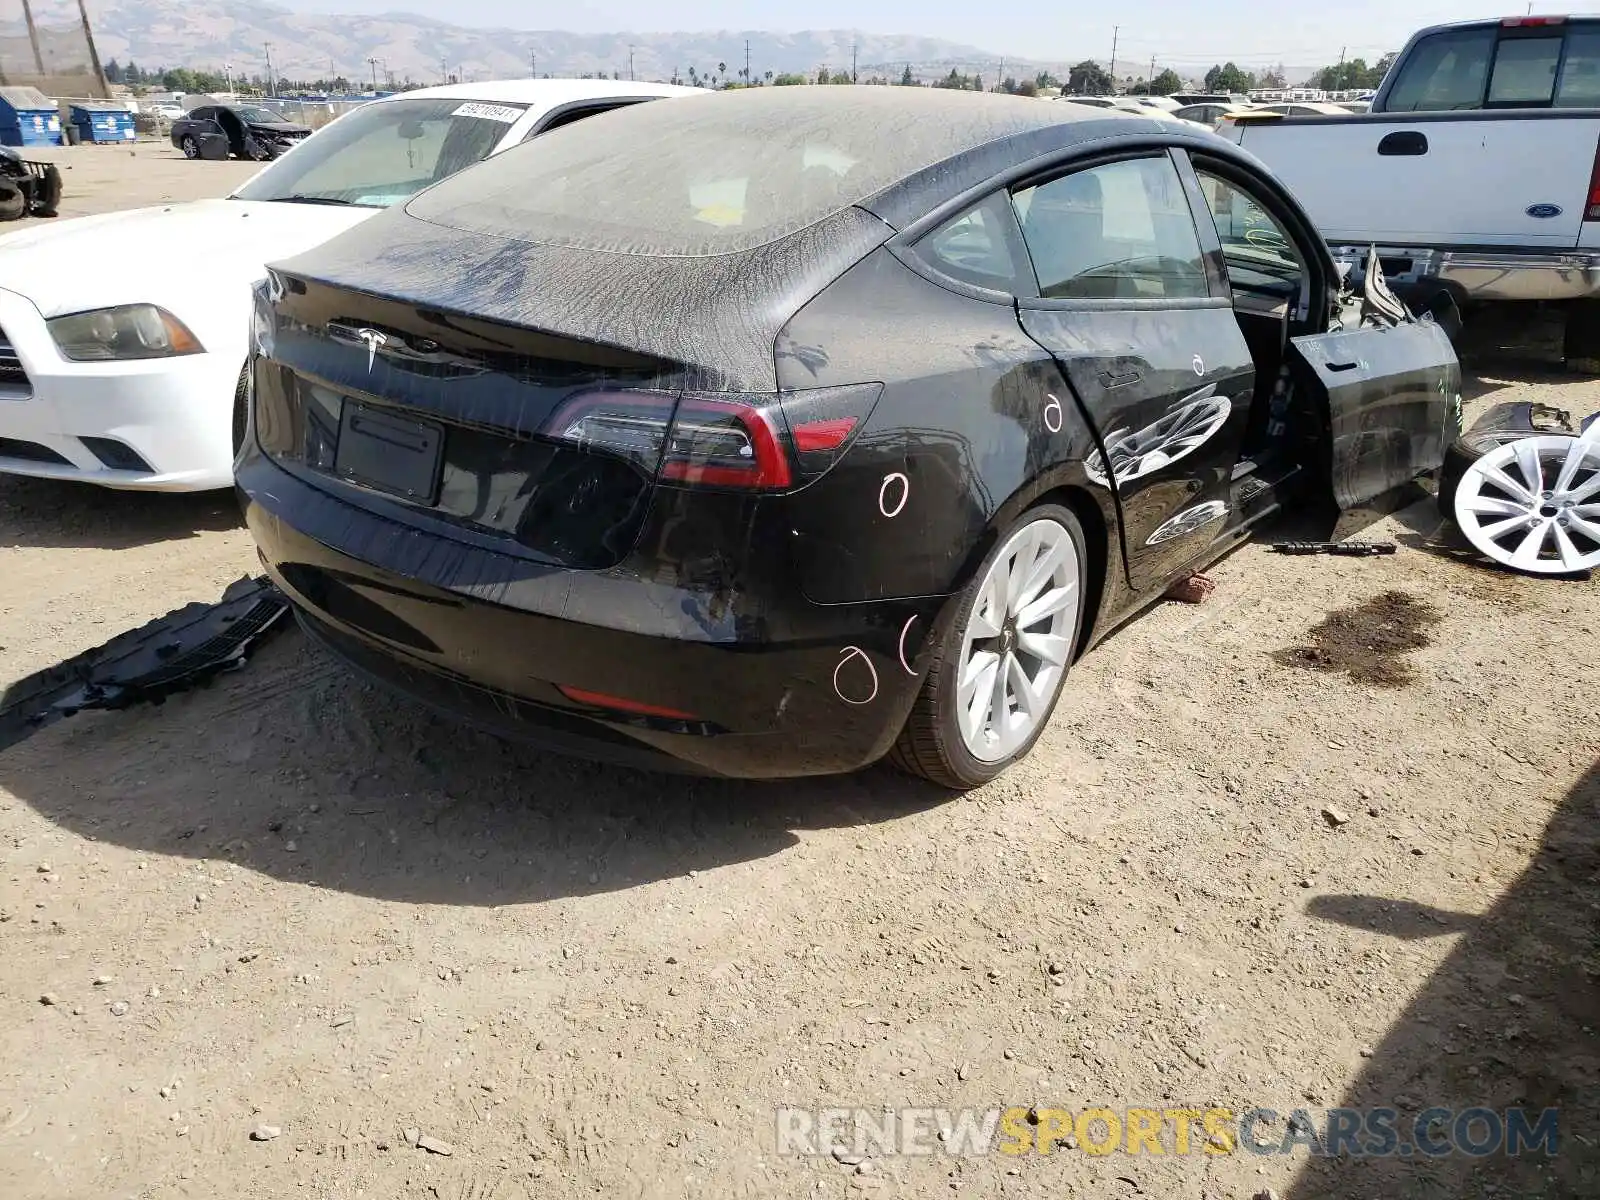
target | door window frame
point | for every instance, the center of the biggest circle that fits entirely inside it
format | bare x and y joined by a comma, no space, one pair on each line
1217,294
1320,285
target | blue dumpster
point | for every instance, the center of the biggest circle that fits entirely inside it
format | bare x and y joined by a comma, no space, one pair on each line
102,123
28,118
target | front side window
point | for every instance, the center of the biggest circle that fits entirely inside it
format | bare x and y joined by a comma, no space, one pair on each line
385,152
1259,252
1122,231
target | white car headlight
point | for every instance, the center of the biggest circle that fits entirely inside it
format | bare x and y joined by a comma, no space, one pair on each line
130,331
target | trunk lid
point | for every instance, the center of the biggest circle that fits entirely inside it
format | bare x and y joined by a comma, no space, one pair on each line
419,369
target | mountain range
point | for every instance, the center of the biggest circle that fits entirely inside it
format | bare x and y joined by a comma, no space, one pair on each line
210,33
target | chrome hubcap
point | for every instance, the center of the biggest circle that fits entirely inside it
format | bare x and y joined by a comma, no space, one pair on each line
1534,504
1018,640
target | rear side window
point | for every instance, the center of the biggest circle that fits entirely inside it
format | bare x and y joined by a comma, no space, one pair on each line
1447,71
573,115
1525,71
976,247
1580,74
1123,231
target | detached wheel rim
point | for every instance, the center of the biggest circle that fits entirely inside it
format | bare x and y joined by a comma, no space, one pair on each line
1534,504
1018,640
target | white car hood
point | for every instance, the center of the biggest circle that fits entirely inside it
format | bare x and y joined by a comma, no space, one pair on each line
184,257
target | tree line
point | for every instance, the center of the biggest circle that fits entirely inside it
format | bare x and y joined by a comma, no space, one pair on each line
1087,78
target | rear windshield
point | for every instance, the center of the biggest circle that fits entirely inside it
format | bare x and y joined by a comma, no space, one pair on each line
720,173
1497,67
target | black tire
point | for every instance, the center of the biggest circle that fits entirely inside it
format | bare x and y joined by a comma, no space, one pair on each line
1457,458
190,147
241,411
930,745
13,204
47,193
1581,341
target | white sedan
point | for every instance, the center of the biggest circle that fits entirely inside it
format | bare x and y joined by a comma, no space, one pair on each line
123,337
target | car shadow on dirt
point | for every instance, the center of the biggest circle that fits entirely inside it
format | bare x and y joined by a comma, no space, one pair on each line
296,769
50,513
1510,1020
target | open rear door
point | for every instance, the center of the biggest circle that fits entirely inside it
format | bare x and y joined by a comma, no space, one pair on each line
1392,403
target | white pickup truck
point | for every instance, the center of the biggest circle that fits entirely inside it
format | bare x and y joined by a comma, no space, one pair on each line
1477,171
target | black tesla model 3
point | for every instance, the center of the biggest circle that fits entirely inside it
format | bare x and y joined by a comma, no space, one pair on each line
782,433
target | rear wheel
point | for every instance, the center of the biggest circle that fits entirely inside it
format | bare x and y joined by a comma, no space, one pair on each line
13,204
998,671
190,147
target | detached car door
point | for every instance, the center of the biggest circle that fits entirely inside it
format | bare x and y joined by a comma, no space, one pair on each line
1125,306
1392,399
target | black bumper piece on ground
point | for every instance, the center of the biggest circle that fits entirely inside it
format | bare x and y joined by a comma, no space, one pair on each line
148,664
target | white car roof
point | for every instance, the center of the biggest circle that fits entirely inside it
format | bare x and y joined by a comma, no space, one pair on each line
542,93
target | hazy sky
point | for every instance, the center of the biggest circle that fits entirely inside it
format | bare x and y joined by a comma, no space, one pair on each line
1181,33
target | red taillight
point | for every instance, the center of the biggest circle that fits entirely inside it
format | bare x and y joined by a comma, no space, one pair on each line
622,704
1532,22
720,443
1591,211
746,441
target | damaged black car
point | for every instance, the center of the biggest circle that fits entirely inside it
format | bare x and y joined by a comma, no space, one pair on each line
816,426
248,131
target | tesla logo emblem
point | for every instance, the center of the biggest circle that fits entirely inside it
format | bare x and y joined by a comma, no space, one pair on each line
373,341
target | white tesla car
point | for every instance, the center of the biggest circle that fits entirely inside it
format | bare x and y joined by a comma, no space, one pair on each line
123,337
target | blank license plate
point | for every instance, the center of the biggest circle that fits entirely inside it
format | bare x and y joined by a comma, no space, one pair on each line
388,452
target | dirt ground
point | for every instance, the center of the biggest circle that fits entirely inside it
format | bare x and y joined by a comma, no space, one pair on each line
289,900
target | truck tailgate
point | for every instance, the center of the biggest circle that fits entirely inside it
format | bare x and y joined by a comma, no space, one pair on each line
1438,178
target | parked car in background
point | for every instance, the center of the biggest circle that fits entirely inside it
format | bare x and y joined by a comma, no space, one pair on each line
123,337
1211,114
703,444
238,130
1476,172
1184,98
1303,108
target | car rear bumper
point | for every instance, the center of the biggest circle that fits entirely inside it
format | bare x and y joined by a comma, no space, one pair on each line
157,425
747,702
1486,275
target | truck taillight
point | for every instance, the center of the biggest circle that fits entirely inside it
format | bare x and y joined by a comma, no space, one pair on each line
749,442
1591,209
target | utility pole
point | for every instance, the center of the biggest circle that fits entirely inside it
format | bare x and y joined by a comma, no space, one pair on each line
630,63
1116,33
1150,79
533,63
373,63
855,55
33,36
272,79
747,78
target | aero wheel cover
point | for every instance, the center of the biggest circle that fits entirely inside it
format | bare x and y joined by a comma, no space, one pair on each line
1018,640
1534,504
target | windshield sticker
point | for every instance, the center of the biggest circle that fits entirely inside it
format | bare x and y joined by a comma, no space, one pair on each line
489,112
